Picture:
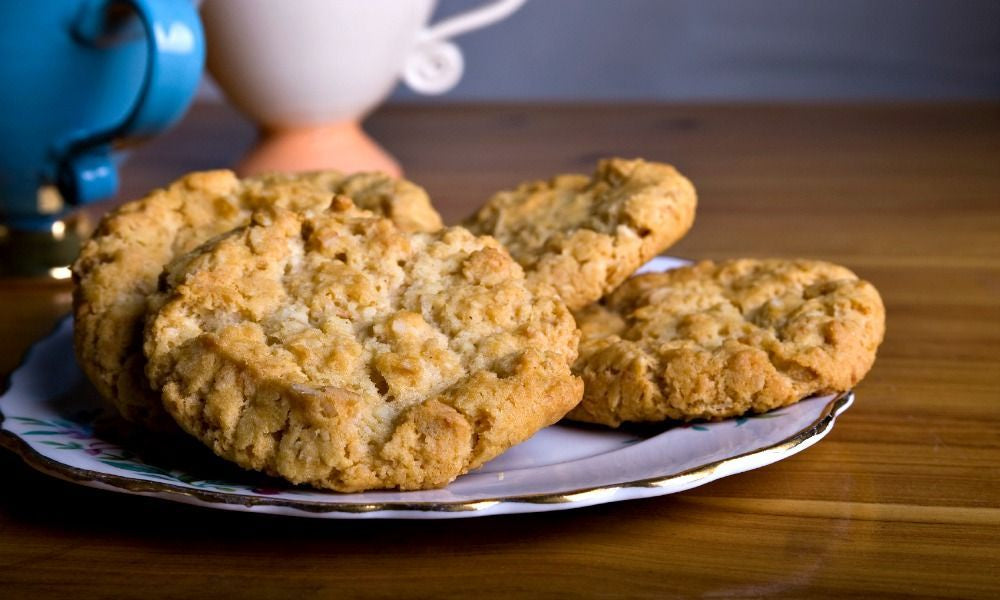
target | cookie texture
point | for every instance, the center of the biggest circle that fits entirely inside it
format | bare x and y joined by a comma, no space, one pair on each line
338,351
712,341
586,235
119,266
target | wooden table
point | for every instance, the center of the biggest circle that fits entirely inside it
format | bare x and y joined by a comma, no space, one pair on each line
902,499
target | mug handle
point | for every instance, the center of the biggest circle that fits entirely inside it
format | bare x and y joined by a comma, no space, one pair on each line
175,58
436,64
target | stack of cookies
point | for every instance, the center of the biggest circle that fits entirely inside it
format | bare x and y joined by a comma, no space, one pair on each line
328,330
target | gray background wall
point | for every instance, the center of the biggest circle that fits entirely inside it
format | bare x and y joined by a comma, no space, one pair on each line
732,50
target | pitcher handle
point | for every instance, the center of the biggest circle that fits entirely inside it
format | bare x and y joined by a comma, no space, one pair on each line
435,65
174,60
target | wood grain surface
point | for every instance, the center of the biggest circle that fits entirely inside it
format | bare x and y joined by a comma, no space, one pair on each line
901,500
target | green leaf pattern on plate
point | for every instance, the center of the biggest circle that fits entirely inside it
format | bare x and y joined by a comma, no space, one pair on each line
78,436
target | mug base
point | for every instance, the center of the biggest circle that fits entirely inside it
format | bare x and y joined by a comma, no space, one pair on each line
341,146
42,255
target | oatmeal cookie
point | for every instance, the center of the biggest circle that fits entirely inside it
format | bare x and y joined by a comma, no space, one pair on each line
585,235
712,341
338,351
119,266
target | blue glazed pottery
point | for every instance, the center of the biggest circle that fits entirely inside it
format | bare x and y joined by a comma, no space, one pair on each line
77,76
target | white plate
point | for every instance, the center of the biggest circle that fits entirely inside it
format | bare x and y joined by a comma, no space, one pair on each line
54,421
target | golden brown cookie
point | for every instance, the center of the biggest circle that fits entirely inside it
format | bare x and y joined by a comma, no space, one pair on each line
338,351
714,340
586,235
119,266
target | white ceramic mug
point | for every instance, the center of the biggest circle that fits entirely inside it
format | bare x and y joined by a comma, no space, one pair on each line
300,62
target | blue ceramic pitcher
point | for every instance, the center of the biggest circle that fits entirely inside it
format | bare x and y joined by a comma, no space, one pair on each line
77,75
